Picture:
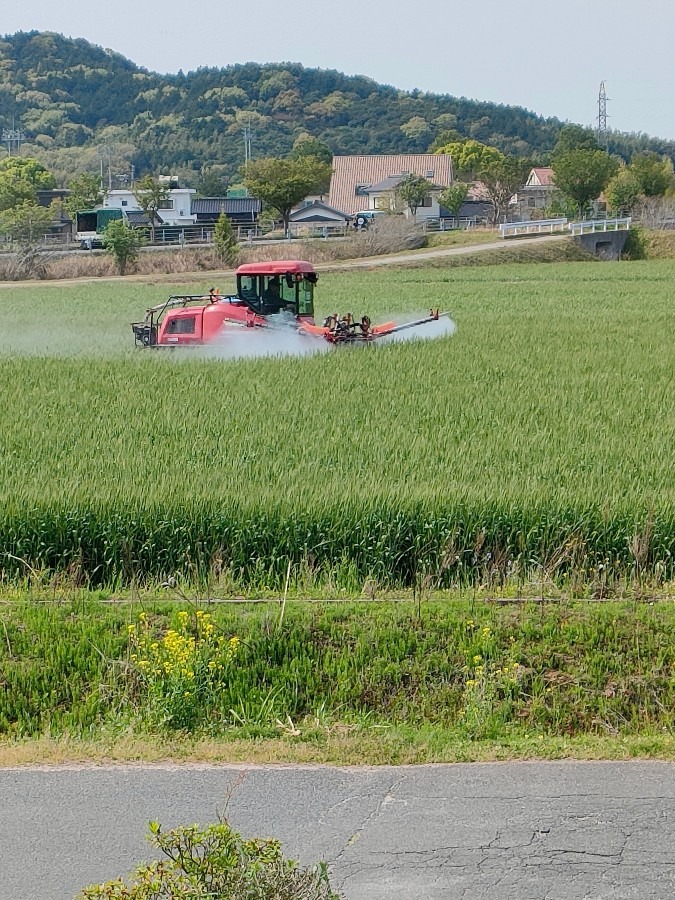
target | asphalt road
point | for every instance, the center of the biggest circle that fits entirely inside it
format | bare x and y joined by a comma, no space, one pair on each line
526,831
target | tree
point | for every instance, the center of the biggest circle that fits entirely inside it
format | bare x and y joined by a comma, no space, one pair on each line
622,191
575,137
216,861
502,176
26,223
582,175
413,190
306,145
212,182
415,127
122,243
20,178
150,194
654,172
225,240
441,140
85,193
453,197
470,157
281,183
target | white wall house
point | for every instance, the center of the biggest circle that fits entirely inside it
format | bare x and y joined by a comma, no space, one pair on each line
175,210
384,196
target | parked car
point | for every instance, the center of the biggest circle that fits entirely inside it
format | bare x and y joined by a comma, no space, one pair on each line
364,218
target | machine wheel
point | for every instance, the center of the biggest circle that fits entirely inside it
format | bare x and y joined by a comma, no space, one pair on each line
361,221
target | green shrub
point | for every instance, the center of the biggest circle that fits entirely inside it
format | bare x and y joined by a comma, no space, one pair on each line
216,863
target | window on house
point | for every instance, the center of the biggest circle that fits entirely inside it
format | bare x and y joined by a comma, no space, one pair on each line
381,202
165,204
124,203
430,173
531,202
427,201
362,190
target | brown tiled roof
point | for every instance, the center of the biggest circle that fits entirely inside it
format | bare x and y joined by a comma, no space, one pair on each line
350,171
544,176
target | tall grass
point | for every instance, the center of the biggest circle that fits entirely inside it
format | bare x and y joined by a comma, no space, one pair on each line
538,439
480,670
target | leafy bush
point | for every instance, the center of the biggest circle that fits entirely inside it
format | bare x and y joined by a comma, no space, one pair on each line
635,246
225,241
123,244
215,862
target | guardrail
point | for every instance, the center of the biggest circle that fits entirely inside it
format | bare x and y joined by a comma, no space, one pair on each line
599,225
438,224
542,226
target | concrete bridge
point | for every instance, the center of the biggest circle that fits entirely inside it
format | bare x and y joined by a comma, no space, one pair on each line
605,238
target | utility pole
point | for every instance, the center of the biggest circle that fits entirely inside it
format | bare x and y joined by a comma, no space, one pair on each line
248,140
13,137
602,117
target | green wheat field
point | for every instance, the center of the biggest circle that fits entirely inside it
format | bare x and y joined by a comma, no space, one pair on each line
538,438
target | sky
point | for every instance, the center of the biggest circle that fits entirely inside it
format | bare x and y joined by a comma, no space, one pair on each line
547,57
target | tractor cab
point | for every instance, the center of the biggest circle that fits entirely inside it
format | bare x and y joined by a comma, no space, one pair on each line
263,289
278,286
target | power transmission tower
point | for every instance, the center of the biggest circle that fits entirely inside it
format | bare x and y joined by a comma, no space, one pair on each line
602,116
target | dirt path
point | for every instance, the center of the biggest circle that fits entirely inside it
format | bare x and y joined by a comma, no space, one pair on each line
401,259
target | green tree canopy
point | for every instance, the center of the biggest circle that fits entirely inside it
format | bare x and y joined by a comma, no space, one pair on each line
306,145
150,193
413,190
575,137
453,197
20,178
212,182
471,157
654,172
26,222
622,191
582,175
451,136
281,183
502,176
85,193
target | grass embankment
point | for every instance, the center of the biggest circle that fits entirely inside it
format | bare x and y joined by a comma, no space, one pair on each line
376,684
535,442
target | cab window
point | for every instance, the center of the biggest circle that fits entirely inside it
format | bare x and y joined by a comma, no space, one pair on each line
305,298
181,325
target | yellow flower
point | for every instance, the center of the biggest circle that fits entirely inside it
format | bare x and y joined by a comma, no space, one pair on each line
131,629
470,683
477,659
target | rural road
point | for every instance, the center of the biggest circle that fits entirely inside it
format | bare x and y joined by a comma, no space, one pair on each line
504,831
365,263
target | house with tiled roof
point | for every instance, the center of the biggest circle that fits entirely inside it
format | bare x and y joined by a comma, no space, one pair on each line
535,196
317,214
369,182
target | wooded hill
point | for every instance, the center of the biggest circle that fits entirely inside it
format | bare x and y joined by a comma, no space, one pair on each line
71,97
